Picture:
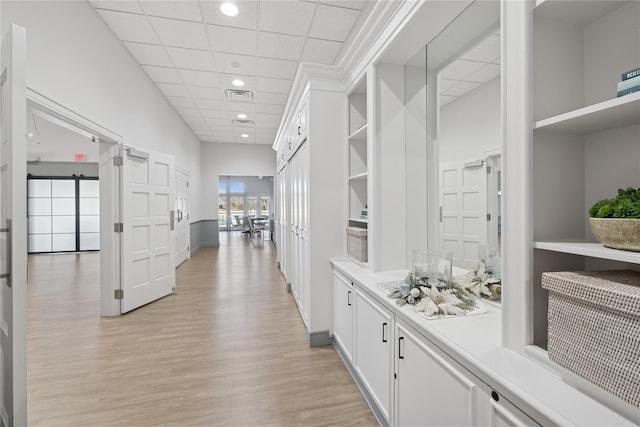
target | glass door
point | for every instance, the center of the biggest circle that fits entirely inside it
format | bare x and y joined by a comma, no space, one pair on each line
63,214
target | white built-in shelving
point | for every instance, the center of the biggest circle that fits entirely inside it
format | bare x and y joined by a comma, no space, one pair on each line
585,139
606,115
358,152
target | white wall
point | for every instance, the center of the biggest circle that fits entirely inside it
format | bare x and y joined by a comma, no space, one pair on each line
470,125
231,159
75,59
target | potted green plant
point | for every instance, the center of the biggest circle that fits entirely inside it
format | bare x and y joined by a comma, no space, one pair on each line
616,222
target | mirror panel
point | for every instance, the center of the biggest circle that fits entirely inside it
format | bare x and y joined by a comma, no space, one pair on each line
464,139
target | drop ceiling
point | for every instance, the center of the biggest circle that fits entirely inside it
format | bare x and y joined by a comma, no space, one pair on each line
193,52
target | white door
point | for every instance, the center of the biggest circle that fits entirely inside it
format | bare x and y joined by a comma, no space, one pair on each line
462,226
148,264
182,235
13,222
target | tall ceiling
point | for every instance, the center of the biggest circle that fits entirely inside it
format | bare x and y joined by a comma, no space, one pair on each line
193,52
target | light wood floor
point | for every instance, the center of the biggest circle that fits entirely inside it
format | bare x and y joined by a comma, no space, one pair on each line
228,349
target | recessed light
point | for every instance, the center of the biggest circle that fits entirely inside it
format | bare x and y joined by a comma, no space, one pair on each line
242,116
237,82
245,135
229,9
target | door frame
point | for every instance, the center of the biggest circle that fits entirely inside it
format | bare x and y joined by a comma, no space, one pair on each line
110,146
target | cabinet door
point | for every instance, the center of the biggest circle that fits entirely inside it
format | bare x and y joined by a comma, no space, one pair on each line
430,391
343,299
374,350
503,414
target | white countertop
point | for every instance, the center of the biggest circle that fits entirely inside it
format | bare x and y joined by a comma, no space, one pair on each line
475,342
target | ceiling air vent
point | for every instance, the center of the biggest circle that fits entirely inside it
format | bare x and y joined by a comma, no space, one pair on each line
238,122
238,95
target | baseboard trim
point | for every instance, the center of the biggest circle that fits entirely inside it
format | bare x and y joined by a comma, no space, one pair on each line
363,390
319,338
203,245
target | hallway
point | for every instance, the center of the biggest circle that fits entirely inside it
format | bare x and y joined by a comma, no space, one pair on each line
228,349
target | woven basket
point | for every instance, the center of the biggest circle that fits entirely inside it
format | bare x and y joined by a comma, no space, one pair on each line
617,233
594,328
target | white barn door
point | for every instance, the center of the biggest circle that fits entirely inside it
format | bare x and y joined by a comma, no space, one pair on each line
182,234
13,226
148,264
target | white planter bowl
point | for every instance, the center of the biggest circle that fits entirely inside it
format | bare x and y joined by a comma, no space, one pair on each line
617,233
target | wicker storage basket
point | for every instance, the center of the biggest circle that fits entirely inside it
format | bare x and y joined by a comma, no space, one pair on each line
594,328
357,243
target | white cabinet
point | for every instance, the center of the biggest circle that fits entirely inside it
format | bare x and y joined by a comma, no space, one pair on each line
314,204
430,390
343,305
299,181
374,350
503,414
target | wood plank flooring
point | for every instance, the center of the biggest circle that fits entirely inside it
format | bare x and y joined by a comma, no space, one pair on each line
228,350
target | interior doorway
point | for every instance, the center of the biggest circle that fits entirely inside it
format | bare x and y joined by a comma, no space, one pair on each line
67,155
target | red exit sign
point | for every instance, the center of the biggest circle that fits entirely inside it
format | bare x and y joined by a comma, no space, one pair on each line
81,157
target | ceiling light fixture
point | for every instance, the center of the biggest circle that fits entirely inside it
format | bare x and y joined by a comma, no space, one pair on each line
237,82
245,135
242,116
229,9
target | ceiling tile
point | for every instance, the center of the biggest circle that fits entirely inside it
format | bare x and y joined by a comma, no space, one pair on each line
333,23
277,68
235,64
321,51
241,107
460,69
119,5
210,139
199,78
187,10
200,128
191,59
265,118
265,123
214,114
218,123
486,51
180,33
349,4
149,54
232,40
271,98
162,74
485,74
206,92
173,90
194,120
209,104
188,112
269,108
130,27
280,46
247,14
461,88
444,84
177,101
286,17
266,84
